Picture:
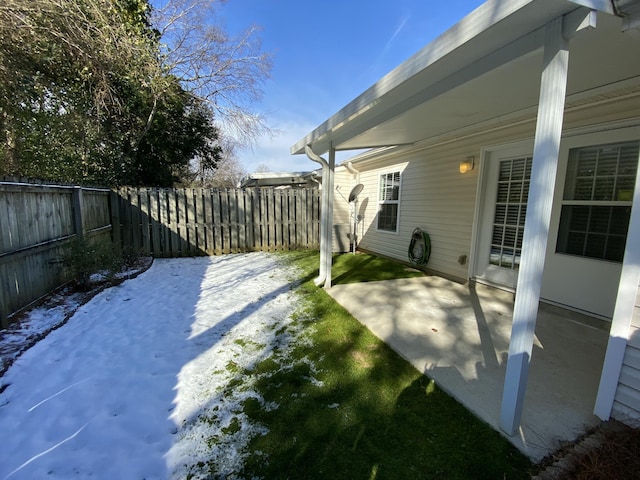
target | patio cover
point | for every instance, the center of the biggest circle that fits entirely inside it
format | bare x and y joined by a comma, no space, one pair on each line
484,70
501,64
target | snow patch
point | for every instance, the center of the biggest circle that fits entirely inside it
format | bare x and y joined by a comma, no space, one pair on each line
149,378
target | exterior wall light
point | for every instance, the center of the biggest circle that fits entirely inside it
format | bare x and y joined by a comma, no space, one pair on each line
467,165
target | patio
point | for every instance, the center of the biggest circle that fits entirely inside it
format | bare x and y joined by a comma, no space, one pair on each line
458,335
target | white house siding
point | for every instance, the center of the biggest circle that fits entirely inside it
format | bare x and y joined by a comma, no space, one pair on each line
435,196
626,405
343,183
439,199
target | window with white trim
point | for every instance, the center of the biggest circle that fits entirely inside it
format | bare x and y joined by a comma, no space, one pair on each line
514,177
389,201
598,194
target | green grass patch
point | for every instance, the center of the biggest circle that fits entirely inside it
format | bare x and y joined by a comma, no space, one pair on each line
349,407
349,268
233,427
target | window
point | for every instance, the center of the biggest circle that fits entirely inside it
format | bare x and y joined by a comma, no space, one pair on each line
597,201
389,201
514,177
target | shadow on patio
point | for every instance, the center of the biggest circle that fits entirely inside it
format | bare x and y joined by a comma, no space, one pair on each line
459,336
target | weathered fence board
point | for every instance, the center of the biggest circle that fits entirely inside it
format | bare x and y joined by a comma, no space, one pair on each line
37,222
199,221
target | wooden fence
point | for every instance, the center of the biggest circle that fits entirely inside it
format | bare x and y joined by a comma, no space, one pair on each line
36,223
199,221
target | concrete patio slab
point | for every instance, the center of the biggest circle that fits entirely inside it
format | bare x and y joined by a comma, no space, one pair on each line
458,335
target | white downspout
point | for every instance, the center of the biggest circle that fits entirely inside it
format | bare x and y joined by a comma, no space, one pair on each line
315,180
323,213
352,170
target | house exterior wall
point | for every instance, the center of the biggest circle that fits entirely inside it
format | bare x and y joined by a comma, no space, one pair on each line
626,405
435,196
587,284
344,181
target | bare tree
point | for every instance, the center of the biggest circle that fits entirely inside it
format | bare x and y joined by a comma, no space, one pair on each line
262,168
226,72
228,174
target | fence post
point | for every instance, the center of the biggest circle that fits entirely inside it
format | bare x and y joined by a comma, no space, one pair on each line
77,206
4,292
114,213
4,322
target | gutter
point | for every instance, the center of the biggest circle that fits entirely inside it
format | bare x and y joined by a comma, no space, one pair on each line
352,171
629,10
625,7
315,180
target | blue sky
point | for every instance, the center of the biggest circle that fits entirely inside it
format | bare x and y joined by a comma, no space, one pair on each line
325,53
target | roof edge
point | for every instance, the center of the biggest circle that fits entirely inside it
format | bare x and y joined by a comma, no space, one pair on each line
475,23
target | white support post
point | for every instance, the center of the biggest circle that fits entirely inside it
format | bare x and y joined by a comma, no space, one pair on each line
322,275
329,218
543,175
623,312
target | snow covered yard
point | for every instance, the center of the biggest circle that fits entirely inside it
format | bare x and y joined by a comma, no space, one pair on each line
145,380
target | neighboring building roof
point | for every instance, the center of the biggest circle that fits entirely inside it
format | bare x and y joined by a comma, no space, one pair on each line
279,179
482,71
